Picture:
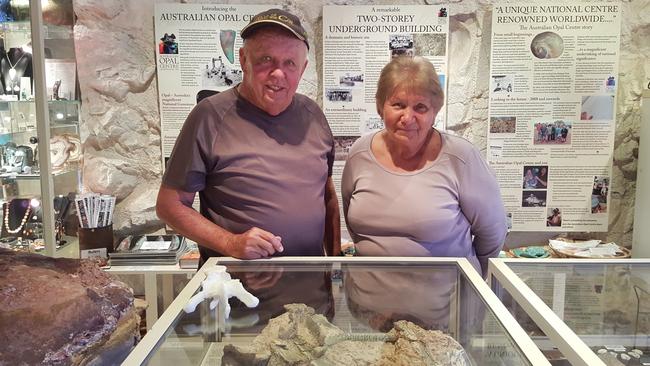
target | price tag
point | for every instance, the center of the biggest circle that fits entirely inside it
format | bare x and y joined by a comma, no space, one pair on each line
155,245
89,253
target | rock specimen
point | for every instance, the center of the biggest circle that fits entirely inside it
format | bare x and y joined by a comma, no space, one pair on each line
301,337
63,312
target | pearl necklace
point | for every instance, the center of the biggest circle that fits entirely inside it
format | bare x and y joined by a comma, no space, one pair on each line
12,70
22,222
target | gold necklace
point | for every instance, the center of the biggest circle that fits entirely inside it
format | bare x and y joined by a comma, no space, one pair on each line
12,70
22,222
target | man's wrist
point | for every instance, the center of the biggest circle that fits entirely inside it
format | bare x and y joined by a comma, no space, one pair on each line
228,244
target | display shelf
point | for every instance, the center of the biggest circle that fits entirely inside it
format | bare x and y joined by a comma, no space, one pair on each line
359,295
73,171
40,149
595,310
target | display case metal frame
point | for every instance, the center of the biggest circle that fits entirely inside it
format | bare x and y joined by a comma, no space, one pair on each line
42,125
574,348
147,346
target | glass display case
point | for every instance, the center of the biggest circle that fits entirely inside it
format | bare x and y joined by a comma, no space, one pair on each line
357,310
596,311
40,148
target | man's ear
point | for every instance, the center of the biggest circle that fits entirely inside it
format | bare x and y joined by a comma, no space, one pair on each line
242,57
304,67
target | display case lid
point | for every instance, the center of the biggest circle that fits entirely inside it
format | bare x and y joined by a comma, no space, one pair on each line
354,297
595,311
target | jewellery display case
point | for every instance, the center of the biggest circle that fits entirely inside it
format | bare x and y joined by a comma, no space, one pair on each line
355,299
596,311
40,148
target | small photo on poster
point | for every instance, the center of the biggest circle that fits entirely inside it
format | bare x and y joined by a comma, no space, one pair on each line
553,217
535,177
599,194
338,94
371,124
597,107
351,80
557,132
503,124
496,148
430,44
533,199
215,73
610,84
401,45
547,45
167,45
342,146
502,83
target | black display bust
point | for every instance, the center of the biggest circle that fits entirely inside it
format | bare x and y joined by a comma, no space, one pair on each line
16,63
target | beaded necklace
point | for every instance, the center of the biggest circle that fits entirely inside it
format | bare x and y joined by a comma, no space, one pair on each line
22,222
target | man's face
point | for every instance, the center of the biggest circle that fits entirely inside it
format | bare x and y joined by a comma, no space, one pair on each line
273,62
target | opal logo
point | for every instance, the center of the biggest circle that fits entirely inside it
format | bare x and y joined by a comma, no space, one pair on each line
167,62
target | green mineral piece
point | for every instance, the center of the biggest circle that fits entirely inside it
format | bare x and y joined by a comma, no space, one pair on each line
227,40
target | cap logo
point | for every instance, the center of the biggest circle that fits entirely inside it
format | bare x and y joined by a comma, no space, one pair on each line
278,17
282,18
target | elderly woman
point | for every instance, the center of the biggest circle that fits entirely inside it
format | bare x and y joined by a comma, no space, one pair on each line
411,190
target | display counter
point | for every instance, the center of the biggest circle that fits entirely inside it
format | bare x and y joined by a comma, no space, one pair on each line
151,275
596,311
356,298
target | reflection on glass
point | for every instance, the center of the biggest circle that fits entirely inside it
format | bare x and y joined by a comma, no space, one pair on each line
360,313
605,304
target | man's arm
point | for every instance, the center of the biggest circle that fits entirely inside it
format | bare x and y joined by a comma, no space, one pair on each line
174,207
332,239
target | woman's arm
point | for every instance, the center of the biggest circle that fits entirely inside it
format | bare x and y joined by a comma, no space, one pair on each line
483,208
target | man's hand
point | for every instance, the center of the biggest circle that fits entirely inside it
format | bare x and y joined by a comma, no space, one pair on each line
262,279
253,244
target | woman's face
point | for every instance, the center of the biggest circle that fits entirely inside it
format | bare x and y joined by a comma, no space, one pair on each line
409,117
529,173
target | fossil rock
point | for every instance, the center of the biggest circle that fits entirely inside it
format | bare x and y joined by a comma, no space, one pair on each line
301,337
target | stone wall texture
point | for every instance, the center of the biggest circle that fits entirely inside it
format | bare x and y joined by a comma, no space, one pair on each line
114,42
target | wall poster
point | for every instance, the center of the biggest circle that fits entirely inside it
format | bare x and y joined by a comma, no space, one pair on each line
553,79
357,42
197,49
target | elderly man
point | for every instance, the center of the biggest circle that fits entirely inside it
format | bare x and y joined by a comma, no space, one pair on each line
259,155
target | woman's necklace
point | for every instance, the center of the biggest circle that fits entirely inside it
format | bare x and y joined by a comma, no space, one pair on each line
12,70
22,222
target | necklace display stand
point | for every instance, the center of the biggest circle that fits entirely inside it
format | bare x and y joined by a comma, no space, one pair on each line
14,65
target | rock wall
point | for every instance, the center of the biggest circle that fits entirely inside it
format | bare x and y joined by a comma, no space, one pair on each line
121,125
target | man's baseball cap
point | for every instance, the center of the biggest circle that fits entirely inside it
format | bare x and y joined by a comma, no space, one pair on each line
277,17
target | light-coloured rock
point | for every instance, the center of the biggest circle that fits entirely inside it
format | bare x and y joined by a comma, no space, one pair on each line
301,337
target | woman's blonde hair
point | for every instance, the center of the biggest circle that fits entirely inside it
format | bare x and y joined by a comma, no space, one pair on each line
416,74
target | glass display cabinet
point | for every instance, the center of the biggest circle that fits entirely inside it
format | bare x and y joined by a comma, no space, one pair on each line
596,311
40,148
341,310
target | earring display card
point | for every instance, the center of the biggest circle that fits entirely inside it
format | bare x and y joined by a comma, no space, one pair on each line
26,88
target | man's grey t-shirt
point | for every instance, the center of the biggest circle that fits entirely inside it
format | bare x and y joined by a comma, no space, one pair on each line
253,169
